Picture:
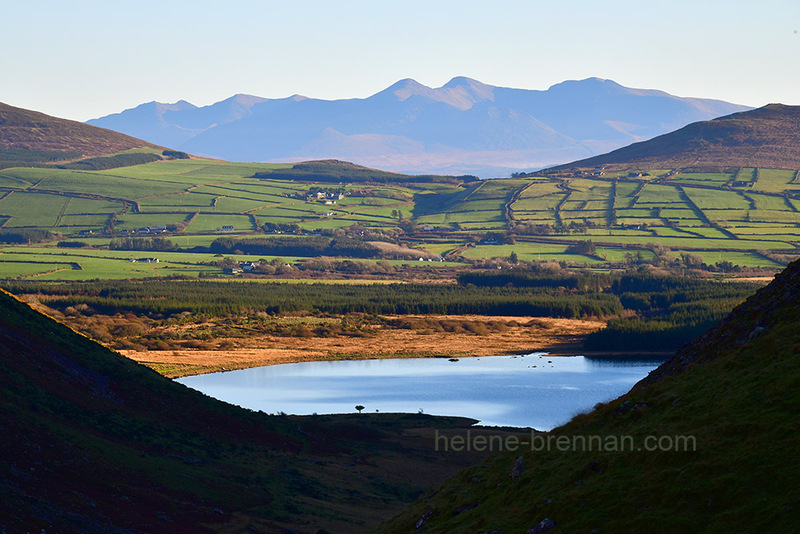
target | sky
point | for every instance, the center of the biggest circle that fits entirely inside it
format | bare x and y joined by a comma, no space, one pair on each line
83,59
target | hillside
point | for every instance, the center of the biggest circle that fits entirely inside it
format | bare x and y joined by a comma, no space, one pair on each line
764,137
26,132
729,218
93,442
465,126
723,416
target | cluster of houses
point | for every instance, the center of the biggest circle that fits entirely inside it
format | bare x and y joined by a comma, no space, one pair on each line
143,260
244,267
598,171
152,230
328,198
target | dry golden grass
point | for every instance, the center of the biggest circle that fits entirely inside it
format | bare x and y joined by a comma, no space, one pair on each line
532,334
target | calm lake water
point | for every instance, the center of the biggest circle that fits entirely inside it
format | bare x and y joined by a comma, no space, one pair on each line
534,390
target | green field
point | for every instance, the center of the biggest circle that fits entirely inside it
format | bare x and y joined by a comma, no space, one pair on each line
200,200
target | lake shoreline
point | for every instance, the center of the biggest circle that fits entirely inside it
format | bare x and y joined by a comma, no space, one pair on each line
178,364
531,334
495,390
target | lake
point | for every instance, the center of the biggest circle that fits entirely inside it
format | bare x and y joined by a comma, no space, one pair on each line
532,390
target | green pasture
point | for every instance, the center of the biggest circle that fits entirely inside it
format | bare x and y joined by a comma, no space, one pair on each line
543,203
667,231
322,224
773,216
436,219
743,259
717,199
10,268
33,209
540,189
710,178
688,243
709,232
640,221
84,220
214,222
605,232
525,251
134,221
635,212
475,216
536,217
619,254
107,185
774,180
266,194
193,201
678,213
478,226
769,202
80,206
659,195
625,194
765,230
211,194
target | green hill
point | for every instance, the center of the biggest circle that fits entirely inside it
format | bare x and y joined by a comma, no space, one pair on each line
739,211
721,416
764,137
93,442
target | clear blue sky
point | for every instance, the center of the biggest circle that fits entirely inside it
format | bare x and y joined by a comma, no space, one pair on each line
84,58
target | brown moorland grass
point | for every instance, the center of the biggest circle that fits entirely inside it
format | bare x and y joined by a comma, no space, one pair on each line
529,335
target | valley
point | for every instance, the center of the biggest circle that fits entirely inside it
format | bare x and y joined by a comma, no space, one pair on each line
190,265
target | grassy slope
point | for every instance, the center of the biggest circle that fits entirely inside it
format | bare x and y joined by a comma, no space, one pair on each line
198,196
93,442
30,130
763,137
736,390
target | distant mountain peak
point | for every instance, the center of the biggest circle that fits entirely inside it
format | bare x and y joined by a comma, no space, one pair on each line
463,81
468,92
588,84
406,88
247,100
464,126
460,92
162,107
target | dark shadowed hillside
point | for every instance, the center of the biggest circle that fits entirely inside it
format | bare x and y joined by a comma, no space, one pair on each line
93,442
764,137
707,443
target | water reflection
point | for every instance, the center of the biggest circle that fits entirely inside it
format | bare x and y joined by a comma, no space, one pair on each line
534,390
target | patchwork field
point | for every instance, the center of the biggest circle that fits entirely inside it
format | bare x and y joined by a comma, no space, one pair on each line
748,216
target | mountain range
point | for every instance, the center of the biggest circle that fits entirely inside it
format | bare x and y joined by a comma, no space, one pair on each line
462,127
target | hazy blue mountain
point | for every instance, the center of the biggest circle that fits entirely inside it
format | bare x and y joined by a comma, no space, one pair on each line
177,123
463,126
